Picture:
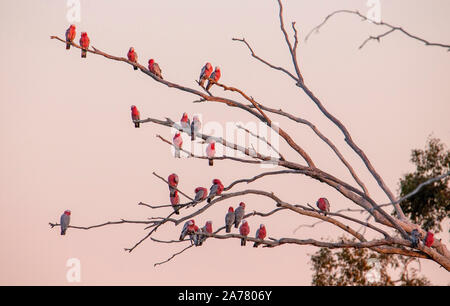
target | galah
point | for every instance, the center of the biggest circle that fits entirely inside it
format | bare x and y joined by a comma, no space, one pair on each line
194,235
260,234
173,182
154,68
70,35
429,239
135,116
244,230
205,229
65,221
211,152
132,57
178,143
216,189
229,219
215,76
323,205
200,194
175,200
415,238
84,43
239,214
185,122
205,74
188,228
196,125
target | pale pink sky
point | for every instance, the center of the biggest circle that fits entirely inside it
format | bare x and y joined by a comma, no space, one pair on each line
68,143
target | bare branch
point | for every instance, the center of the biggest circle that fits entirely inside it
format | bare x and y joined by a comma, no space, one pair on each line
171,257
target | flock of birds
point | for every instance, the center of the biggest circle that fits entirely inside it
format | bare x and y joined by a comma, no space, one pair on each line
233,216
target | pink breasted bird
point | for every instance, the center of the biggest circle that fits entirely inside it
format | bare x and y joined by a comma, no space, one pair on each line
132,57
188,228
244,230
205,229
178,144
205,74
260,234
216,189
65,221
215,76
175,200
84,43
135,116
239,214
154,68
173,182
196,125
429,239
211,152
229,219
70,35
185,122
200,194
323,205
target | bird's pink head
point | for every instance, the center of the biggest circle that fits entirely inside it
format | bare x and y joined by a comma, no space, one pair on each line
191,222
262,226
230,209
208,66
151,61
195,118
198,189
72,27
133,107
131,50
244,222
242,204
177,134
184,118
83,34
217,182
67,212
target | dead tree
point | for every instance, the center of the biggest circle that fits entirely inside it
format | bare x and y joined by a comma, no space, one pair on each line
393,232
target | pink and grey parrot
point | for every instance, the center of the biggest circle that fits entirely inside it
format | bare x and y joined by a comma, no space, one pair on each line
244,230
205,229
216,189
239,214
429,239
178,144
185,122
196,125
210,152
175,200
260,234
205,74
200,194
84,43
132,57
135,116
194,235
65,221
188,229
415,238
70,35
229,219
323,205
154,68
215,76
173,182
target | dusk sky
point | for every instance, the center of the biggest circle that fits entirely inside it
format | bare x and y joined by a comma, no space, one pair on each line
68,141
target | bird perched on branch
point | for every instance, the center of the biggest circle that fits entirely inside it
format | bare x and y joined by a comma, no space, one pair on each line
260,234
175,200
215,76
244,230
185,122
178,143
132,57
216,189
415,238
205,229
173,183
135,116
205,74
196,125
239,213
200,194
211,152
429,239
84,43
154,68
70,35
323,205
65,221
229,219
188,229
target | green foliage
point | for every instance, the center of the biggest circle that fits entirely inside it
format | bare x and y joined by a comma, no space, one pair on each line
432,204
